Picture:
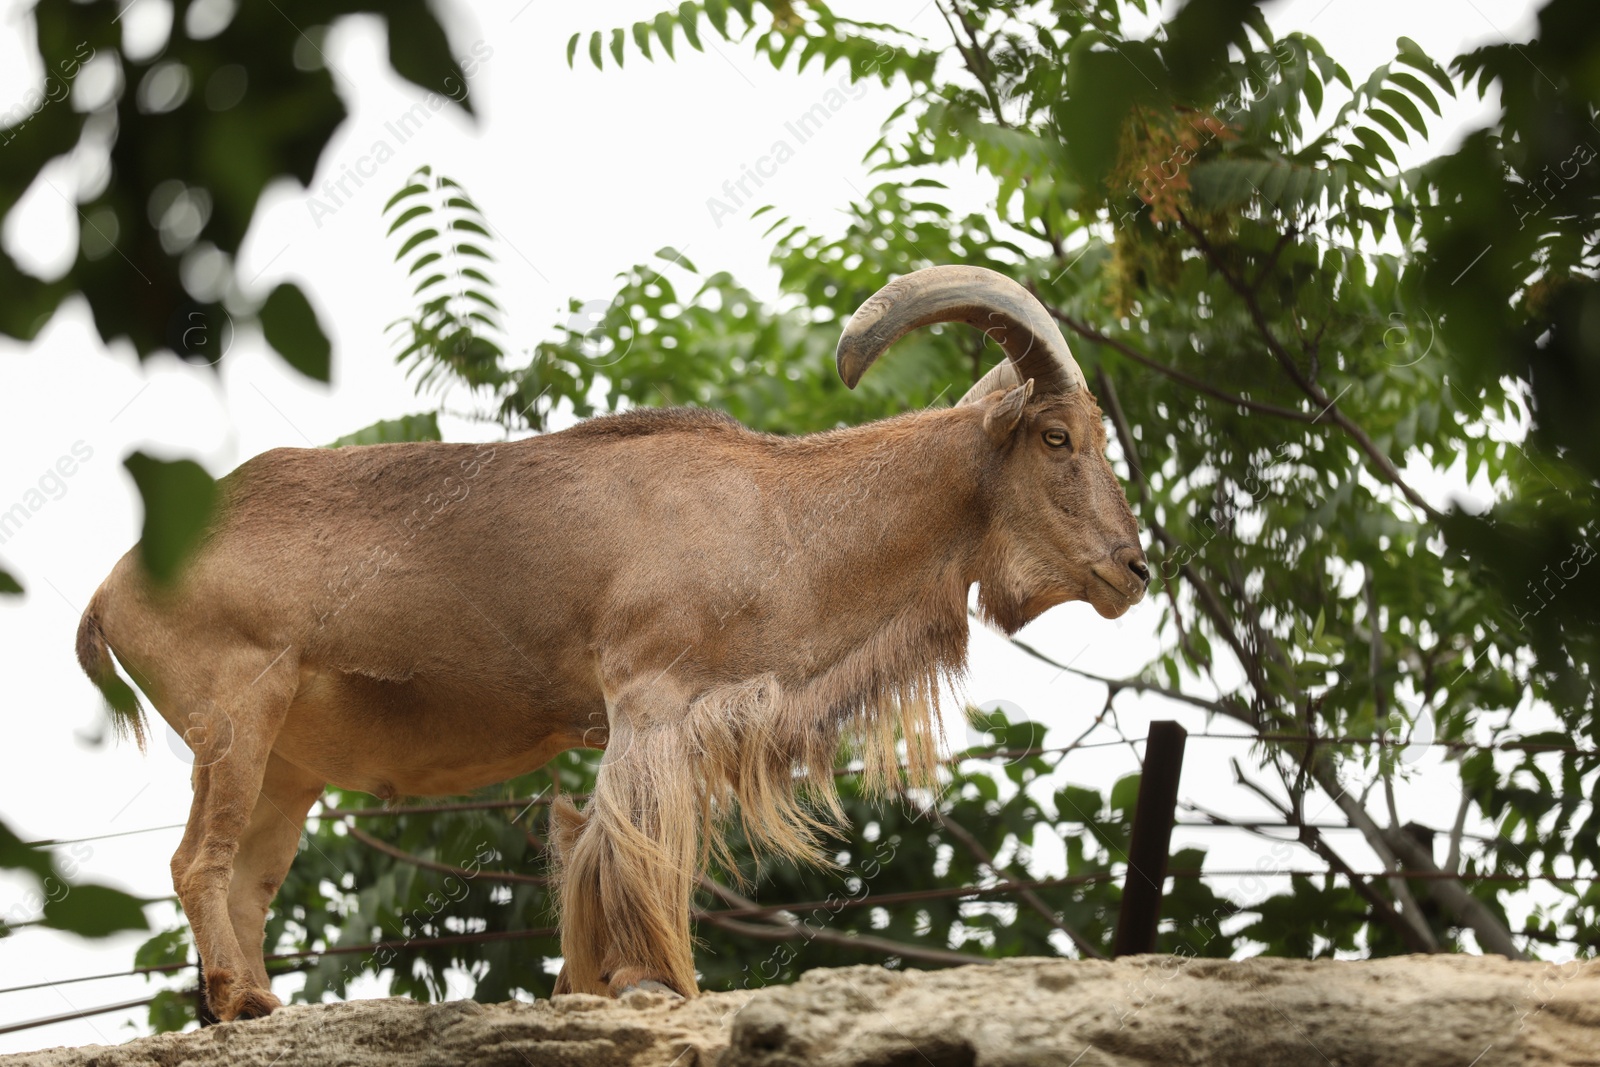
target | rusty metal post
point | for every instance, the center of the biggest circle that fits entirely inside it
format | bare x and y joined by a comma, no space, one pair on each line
1151,840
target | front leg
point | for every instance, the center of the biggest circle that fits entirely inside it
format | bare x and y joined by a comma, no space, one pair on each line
628,862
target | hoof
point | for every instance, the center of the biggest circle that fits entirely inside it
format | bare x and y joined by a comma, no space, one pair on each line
254,1004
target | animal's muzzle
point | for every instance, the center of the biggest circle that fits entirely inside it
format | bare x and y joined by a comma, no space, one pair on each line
1131,558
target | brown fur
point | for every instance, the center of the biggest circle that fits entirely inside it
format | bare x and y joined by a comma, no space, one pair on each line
716,608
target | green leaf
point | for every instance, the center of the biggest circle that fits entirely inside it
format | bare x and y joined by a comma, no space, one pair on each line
167,947
1388,122
717,15
1374,142
1412,55
641,37
424,427
95,911
424,260
1313,92
8,584
15,855
688,18
1402,105
420,52
291,328
664,24
572,47
406,216
410,190
672,255
595,43
1075,803
617,38
1102,87
179,501
1125,793
171,1010
1417,88
413,241
480,297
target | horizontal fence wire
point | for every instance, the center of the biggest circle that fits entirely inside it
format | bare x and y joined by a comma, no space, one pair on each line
1000,889
963,757
69,1016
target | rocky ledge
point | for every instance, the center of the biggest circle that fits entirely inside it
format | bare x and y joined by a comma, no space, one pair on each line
1418,1011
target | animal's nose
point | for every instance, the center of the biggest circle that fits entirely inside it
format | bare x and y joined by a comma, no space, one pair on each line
1134,560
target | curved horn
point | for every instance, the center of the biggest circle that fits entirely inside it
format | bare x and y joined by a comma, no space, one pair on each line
995,304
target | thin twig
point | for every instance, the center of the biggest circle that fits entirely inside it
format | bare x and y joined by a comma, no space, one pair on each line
1034,901
1412,931
1199,385
1493,934
445,868
1258,317
776,928
1138,685
1452,859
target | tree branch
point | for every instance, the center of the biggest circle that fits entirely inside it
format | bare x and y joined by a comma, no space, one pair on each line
973,57
1452,859
777,928
1130,452
1199,385
1034,901
1418,939
1396,845
1138,685
1258,317
444,868
1398,886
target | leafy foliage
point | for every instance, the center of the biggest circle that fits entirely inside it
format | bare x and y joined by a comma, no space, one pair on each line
443,239
256,98
823,35
424,427
83,908
186,139
290,326
180,498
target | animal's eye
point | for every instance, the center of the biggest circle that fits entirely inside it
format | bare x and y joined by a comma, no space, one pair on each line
1057,438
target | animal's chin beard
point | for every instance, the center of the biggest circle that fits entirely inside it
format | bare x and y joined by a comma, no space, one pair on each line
1010,613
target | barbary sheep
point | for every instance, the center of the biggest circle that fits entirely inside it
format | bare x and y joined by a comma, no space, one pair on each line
718,609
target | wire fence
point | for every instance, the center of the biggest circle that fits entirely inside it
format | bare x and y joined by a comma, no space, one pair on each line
1511,745
1000,888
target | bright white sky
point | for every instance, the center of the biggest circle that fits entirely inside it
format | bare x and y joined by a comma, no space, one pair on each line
583,173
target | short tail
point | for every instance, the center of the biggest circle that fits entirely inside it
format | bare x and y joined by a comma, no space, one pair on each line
94,656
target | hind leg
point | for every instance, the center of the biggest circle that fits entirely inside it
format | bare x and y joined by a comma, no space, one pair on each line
266,850
232,736
629,861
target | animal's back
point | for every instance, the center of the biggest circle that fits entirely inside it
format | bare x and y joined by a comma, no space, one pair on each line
412,580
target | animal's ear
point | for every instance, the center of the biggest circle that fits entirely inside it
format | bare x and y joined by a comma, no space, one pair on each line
1001,420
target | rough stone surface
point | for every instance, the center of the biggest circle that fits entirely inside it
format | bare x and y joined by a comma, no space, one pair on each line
1417,1011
